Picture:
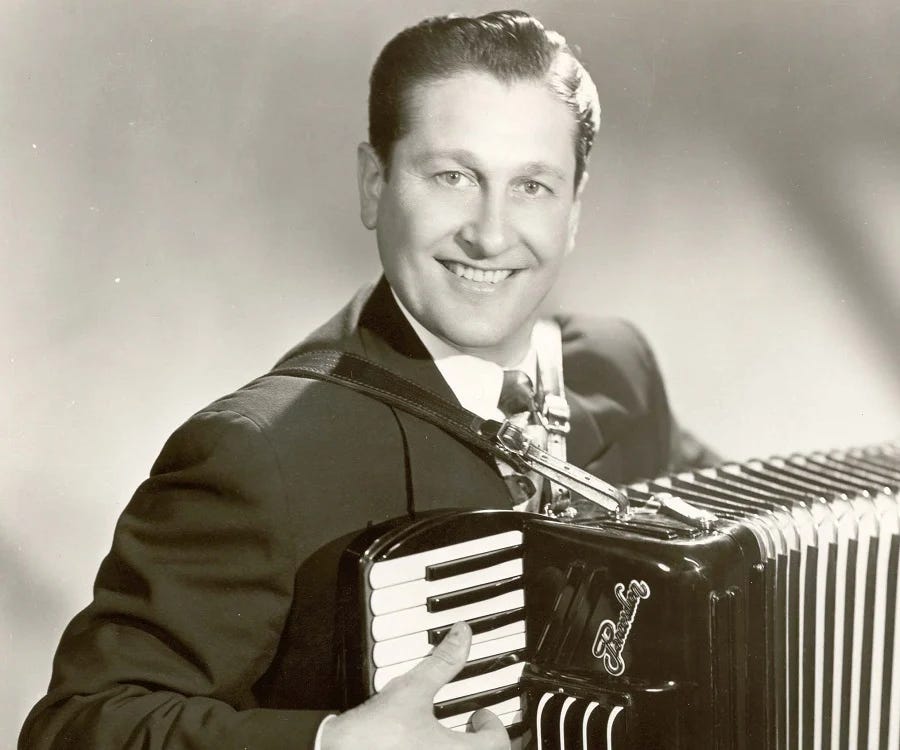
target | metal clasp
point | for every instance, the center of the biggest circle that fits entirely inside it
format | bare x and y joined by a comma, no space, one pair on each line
555,414
676,507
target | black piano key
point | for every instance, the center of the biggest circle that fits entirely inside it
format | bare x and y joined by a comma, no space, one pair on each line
475,701
471,563
453,599
489,664
479,624
514,731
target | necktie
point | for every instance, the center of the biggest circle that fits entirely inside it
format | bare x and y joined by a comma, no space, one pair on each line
517,402
517,394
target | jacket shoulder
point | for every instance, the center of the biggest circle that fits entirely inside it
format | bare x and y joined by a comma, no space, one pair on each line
612,354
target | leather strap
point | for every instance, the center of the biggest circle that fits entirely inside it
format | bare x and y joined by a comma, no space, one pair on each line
554,412
364,376
501,440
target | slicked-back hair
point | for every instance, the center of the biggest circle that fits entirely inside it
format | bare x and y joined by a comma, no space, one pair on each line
511,45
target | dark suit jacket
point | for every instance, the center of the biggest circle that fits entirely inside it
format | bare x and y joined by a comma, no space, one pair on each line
212,619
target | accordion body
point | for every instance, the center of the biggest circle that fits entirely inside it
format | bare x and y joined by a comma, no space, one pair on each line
773,626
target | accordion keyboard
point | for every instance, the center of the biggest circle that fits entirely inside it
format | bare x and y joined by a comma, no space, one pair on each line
414,599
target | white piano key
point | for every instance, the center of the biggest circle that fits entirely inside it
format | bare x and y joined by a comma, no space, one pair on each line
416,645
499,678
407,621
414,593
508,707
507,719
494,647
411,567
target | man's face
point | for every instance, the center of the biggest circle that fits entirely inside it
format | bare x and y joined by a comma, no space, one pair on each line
479,209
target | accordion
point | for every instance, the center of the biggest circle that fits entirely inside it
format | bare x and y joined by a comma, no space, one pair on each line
772,626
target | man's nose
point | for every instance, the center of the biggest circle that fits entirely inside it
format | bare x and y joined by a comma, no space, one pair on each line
487,233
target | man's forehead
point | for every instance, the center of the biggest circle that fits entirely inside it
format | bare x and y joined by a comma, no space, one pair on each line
471,112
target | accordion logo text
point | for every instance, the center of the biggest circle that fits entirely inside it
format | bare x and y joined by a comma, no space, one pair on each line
611,636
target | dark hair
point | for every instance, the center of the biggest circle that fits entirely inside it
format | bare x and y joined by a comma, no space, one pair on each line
511,45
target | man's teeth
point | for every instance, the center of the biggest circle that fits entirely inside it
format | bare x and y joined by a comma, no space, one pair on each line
477,274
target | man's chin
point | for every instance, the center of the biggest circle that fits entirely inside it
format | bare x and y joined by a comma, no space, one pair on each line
488,343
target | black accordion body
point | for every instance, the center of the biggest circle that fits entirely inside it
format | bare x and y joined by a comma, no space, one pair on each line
774,626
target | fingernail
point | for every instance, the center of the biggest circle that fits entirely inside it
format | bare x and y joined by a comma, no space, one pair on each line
457,632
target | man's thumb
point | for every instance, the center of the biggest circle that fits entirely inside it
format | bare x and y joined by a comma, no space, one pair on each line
486,721
445,662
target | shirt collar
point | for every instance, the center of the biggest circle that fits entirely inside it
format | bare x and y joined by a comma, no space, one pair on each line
475,382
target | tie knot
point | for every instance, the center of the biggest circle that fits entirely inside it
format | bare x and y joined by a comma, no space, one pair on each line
517,393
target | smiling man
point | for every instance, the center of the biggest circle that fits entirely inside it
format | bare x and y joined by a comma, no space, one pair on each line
212,624
476,206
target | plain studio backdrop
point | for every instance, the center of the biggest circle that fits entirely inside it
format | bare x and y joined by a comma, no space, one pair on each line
178,207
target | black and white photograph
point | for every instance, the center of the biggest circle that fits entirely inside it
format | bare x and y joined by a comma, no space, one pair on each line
450,375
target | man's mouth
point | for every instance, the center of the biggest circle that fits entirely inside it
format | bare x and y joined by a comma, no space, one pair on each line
490,276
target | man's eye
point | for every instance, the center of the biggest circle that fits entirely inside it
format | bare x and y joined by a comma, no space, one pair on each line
454,178
533,187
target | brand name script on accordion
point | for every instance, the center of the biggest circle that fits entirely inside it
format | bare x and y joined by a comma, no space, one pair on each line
611,636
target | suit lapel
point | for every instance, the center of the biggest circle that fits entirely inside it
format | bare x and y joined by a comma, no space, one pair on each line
442,471
388,338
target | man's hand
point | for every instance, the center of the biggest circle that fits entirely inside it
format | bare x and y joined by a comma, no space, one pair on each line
401,716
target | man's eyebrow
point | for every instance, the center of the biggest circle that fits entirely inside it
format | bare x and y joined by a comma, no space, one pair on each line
463,156
542,168
460,155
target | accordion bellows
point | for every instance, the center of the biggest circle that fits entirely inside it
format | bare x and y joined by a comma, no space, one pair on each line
775,626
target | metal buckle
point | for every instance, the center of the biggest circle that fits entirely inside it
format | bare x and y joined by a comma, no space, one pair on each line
555,414
513,438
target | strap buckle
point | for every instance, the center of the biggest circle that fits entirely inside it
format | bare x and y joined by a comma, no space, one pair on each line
555,414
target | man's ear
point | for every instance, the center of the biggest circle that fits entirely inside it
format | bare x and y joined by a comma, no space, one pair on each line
371,178
575,213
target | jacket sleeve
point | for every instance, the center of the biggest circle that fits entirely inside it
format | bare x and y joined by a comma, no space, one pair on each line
188,609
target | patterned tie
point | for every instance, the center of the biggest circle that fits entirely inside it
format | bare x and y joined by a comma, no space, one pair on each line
517,402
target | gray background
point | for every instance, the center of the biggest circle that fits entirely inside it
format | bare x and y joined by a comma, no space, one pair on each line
178,206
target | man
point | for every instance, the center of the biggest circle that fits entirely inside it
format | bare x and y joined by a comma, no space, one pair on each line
212,624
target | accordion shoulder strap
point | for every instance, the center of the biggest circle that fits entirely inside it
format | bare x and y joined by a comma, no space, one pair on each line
367,377
501,440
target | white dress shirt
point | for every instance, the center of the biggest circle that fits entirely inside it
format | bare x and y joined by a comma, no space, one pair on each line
475,382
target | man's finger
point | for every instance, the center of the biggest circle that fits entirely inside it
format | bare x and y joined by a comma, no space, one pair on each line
445,662
489,730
